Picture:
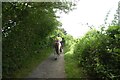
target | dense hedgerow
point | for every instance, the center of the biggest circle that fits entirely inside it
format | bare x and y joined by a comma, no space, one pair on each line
99,53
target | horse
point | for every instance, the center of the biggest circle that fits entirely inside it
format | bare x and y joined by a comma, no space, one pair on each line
57,47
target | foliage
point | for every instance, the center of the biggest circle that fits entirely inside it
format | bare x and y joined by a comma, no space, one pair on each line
69,41
71,68
99,53
26,27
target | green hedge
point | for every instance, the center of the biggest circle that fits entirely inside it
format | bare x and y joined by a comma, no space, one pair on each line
99,53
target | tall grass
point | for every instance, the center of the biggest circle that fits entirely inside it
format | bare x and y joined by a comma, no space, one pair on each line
71,65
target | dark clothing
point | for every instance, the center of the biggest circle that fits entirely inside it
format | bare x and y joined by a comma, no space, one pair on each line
63,42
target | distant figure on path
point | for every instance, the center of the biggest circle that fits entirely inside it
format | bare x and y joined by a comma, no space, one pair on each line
57,46
62,44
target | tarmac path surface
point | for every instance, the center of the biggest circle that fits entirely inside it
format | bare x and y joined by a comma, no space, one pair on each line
50,68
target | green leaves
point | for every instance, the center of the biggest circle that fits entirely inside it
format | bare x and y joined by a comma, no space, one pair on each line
98,53
26,29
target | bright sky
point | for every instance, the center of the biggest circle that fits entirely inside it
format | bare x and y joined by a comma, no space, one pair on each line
92,12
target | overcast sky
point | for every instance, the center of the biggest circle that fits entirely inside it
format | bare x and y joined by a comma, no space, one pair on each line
92,12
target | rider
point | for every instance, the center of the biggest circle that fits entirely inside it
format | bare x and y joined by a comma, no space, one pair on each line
59,39
63,42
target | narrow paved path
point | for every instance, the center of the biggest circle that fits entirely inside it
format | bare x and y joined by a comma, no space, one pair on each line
50,68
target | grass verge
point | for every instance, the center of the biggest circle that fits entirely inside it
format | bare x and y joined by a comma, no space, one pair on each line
32,63
72,69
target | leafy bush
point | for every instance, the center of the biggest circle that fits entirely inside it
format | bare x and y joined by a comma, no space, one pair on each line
99,53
